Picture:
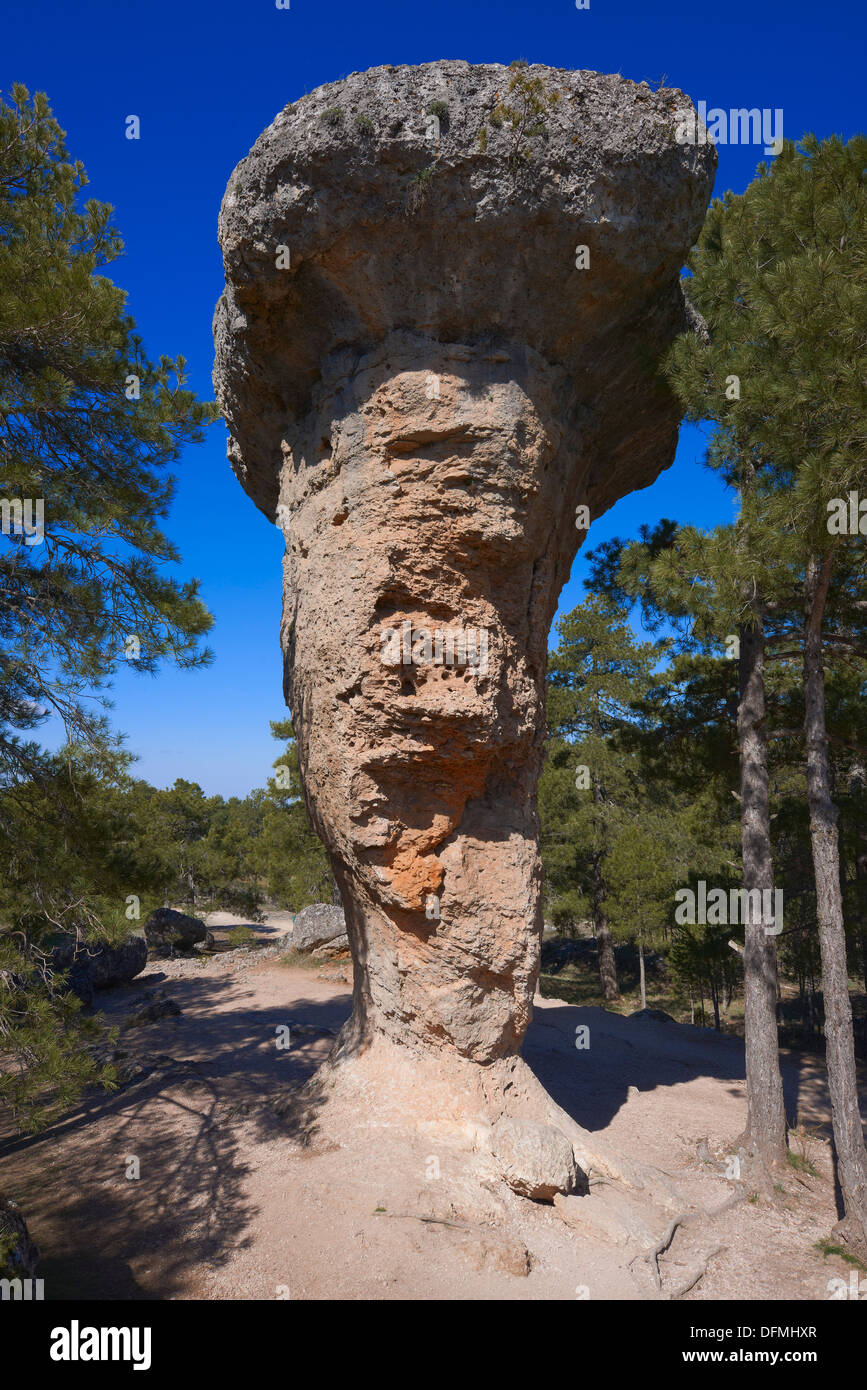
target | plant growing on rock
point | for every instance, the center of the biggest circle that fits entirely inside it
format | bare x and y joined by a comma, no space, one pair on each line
419,187
523,111
440,109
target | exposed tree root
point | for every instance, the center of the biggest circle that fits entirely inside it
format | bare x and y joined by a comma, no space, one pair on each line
697,1274
652,1256
693,1218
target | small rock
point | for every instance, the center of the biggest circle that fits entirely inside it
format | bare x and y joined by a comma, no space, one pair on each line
500,1252
152,1013
316,926
332,948
536,1160
310,1029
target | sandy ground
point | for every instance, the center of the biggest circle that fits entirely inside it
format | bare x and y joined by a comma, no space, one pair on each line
232,1202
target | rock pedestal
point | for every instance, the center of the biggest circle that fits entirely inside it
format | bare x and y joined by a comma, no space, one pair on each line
447,292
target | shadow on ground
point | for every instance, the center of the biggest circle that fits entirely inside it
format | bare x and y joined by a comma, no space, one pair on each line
108,1234
592,1084
218,1073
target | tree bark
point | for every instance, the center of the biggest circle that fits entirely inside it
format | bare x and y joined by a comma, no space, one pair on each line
765,1133
641,973
607,962
839,1035
860,865
715,1001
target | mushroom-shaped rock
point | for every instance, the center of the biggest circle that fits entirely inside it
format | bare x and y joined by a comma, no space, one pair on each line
447,291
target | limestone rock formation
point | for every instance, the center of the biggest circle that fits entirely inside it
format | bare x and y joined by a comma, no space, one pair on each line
447,289
537,1160
167,929
316,926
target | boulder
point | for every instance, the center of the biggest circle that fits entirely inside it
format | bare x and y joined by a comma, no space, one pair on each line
338,947
79,980
317,926
98,965
169,929
536,1160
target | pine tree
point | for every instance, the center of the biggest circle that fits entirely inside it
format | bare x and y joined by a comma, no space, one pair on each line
88,428
595,674
707,586
779,277
289,854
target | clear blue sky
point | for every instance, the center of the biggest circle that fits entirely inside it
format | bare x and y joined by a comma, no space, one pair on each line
205,79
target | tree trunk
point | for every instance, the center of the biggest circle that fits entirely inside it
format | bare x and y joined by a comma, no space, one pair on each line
860,865
604,944
839,1036
607,963
641,973
715,1001
765,1133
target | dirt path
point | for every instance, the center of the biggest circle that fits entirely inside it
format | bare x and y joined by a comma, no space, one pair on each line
229,1203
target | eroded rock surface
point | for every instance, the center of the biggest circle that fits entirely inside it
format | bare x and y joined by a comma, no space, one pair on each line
315,926
537,1160
423,388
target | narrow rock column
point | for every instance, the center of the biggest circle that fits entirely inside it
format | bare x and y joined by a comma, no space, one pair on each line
423,570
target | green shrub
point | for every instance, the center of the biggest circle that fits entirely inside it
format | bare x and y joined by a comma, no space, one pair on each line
242,936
